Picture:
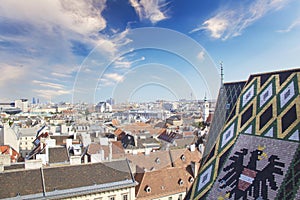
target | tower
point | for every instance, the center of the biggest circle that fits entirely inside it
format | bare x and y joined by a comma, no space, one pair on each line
222,73
205,109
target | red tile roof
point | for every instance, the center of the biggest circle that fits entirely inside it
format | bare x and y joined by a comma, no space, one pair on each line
163,182
6,149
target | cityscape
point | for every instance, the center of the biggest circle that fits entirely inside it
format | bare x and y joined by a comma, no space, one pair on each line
150,100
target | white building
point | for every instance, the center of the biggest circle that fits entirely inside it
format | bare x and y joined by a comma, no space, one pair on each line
9,137
22,104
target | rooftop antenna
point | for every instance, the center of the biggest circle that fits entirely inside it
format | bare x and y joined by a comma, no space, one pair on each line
222,73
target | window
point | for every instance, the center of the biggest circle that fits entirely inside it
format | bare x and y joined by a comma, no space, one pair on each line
98,198
180,197
180,182
191,179
148,189
125,196
157,160
170,198
112,198
227,106
183,158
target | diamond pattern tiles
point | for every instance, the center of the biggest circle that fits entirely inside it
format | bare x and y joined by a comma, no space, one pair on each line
268,108
227,98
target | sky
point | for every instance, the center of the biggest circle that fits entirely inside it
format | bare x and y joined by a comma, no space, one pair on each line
141,50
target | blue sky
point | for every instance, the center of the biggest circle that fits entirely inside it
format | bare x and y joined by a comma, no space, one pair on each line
140,50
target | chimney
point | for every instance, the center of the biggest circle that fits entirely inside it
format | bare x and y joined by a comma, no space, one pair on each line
85,159
1,167
192,147
5,159
147,151
195,168
33,164
110,151
75,160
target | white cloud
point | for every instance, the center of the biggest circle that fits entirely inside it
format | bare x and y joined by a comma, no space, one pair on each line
82,17
48,84
11,74
291,27
114,77
125,64
110,46
231,22
50,94
41,36
153,10
201,55
110,79
62,75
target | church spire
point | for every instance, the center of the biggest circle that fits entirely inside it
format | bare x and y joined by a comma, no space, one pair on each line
222,73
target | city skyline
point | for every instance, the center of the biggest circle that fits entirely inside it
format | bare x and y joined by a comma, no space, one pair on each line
91,51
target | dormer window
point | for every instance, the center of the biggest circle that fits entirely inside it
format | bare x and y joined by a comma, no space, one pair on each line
157,160
191,179
182,158
148,189
180,182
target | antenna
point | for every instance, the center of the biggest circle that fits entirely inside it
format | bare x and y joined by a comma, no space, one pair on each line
222,73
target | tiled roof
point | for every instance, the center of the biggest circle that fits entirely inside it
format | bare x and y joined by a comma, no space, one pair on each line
63,179
30,132
184,157
184,142
160,125
140,127
14,155
95,148
142,143
20,183
153,161
117,150
58,155
162,182
256,155
169,136
118,131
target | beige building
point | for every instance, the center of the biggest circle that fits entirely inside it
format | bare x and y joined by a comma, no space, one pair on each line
26,137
